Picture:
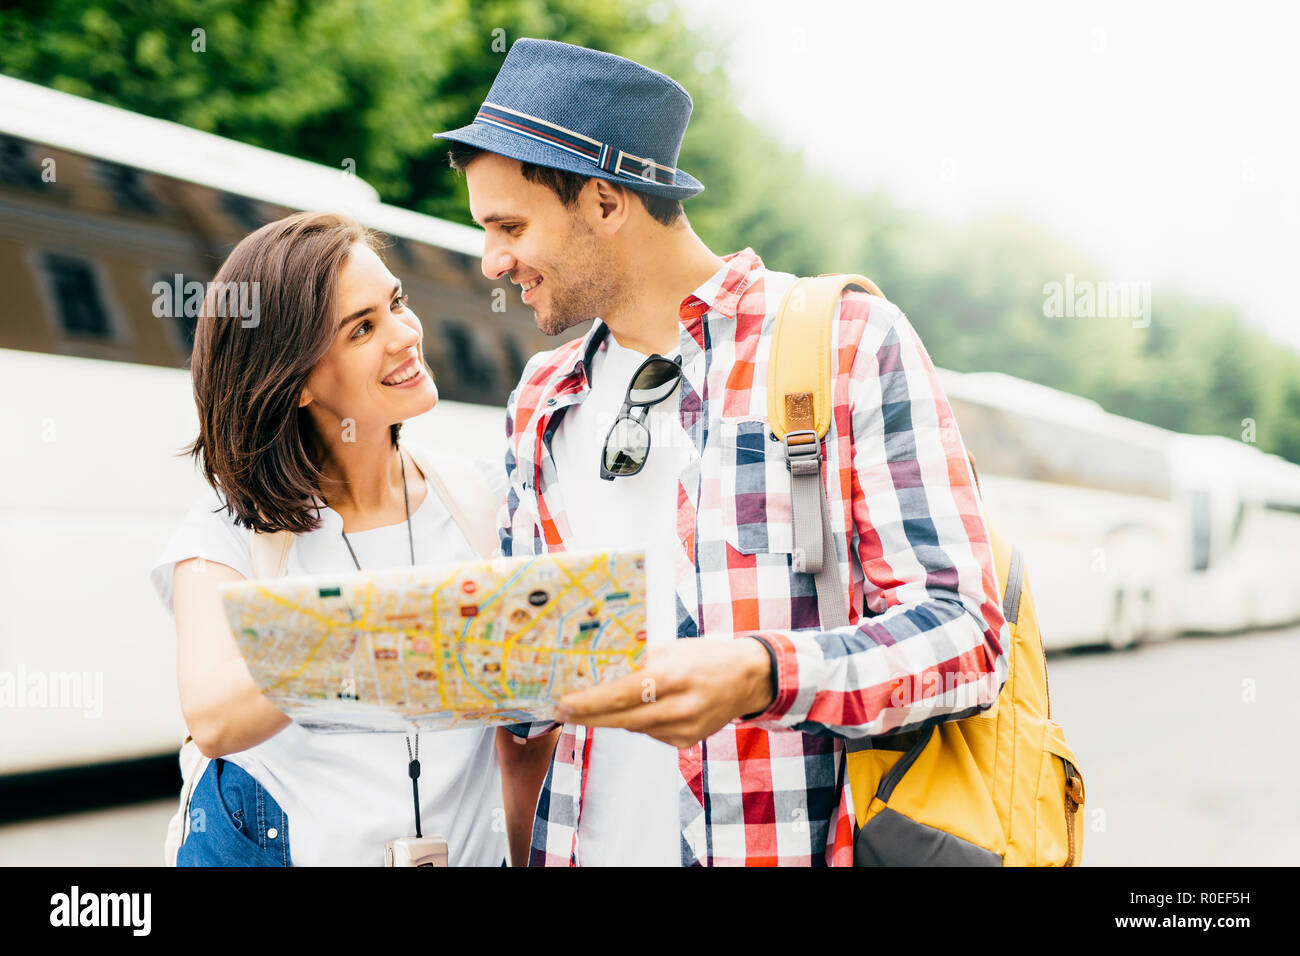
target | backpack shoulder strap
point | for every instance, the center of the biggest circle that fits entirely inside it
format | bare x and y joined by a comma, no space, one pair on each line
799,414
474,508
270,558
473,505
799,367
270,552
1015,578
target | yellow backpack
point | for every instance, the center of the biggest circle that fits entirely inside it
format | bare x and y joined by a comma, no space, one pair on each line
999,788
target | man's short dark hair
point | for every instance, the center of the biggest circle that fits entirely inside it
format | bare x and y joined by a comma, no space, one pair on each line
568,185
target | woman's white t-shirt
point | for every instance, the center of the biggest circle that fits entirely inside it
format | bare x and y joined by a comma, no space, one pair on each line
345,795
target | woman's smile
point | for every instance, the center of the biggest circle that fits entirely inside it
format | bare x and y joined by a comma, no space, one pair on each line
409,373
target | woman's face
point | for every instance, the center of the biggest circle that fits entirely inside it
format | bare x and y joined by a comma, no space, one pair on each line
377,338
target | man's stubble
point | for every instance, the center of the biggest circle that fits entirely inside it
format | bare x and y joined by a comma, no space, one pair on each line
589,284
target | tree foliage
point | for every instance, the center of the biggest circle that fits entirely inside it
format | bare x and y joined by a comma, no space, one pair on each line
333,80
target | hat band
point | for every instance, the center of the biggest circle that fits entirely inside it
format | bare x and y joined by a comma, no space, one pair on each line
602,155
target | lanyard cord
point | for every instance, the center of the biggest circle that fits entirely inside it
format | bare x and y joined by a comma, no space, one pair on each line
409,536
412,768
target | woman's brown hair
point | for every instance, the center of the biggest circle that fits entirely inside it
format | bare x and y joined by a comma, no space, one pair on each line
255,444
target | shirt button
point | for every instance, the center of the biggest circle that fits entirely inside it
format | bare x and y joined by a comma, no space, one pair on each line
550,401
272,833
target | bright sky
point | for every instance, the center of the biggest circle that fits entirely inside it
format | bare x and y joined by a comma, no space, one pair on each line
1161,138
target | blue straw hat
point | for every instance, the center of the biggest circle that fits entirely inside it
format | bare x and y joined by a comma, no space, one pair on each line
585,112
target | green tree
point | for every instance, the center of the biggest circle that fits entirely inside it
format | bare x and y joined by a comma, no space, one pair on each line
337,80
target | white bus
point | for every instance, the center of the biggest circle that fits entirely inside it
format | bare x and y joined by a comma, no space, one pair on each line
1131,532
1244,513
97,206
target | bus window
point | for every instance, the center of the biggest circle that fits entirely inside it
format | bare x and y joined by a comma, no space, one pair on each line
125,186
1238,521
473,369
244,211
1200,530
402,249
16,167
78,304
516,358
175,312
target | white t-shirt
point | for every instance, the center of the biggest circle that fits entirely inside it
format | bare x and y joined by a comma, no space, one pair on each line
345,795
629,806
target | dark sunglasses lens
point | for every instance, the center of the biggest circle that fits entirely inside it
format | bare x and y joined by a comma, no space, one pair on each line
627,447
654,382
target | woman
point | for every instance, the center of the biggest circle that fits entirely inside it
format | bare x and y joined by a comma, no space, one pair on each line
300,409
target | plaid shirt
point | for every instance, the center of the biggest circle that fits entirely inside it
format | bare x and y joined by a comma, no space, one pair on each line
932,643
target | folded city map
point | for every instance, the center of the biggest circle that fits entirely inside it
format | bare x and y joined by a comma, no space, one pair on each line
439,647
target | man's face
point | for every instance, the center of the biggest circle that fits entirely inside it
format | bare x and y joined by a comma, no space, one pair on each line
546,248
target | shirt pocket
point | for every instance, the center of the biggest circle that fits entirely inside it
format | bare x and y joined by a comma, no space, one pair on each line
753,491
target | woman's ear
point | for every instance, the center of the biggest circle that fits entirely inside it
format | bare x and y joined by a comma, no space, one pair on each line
305,398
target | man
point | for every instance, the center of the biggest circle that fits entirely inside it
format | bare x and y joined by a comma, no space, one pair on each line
730,749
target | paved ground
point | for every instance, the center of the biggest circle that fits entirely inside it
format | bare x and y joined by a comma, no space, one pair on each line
1187,751
122,836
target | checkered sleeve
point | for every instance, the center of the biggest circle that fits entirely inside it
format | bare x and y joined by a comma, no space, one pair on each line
510,512
935,643
534,729
515,524
506,516
515,478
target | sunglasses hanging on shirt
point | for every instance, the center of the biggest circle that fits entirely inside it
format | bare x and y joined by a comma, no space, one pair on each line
627,445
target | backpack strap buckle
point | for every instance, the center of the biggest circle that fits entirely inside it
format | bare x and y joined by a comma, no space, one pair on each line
803,452
803,459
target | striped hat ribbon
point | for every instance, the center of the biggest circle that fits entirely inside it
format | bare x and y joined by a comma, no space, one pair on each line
609,158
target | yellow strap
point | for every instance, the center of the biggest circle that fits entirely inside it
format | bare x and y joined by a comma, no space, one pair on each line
799,367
